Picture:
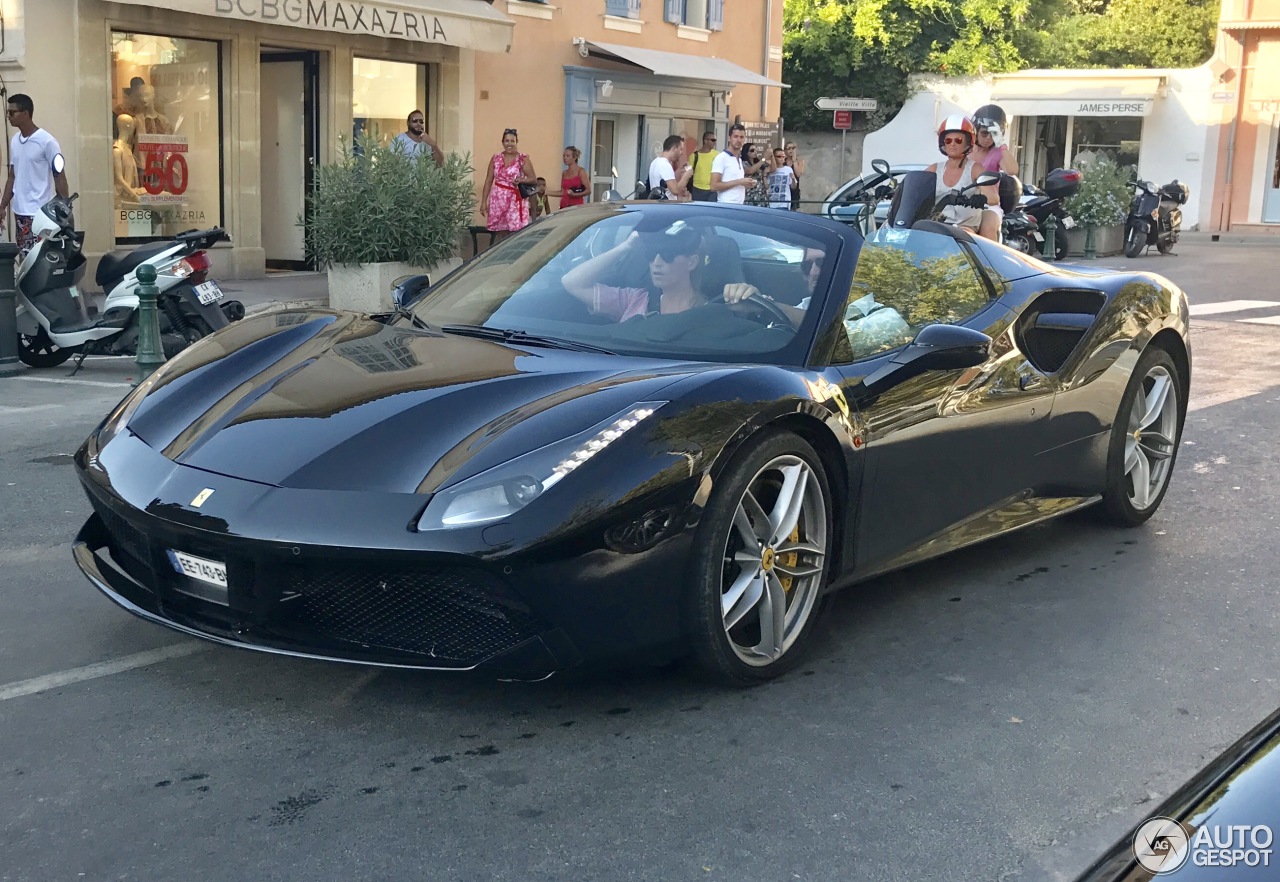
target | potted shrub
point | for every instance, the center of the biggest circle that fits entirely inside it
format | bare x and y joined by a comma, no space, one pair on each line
377,214
1099,208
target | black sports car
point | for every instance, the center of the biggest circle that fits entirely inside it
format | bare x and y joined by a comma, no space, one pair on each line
639,430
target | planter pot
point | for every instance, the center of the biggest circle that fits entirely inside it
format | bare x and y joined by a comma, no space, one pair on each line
1108,240
366,287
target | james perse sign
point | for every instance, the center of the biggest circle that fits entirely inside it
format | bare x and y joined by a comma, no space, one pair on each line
1112,108
337,15
469,24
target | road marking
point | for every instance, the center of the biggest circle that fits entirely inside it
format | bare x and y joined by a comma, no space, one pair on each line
1230,306
1266,320
71,382
100,669
4,408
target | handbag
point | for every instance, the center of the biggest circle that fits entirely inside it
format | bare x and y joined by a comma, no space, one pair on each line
527,190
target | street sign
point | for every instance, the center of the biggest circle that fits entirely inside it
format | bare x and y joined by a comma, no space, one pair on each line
845,104
843,119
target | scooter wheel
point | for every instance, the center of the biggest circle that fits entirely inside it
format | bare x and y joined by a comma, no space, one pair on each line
39,351
1019,243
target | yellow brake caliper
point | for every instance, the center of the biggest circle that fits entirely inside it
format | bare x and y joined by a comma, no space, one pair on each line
789,560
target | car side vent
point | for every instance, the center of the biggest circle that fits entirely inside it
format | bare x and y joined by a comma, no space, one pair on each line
1055,323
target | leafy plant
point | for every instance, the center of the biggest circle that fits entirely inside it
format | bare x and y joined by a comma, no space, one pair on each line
1104,194
378,204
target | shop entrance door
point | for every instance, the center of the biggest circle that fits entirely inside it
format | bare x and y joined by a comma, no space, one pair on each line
1271,196
290,135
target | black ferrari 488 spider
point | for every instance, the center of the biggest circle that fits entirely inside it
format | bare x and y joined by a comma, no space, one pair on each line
631,430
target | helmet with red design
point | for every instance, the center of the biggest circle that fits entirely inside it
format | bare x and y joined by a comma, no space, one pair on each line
956,122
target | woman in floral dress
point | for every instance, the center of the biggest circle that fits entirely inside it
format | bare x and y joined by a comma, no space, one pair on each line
505,210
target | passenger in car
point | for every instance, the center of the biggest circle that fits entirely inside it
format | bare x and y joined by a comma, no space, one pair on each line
810,265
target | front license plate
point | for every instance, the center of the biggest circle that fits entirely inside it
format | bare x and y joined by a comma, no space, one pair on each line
209,576
208,292
1069,222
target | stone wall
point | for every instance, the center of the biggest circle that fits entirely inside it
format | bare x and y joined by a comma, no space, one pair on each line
821,154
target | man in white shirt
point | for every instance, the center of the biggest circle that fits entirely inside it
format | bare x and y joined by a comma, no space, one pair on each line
728,177
782,181
32,179
415,141
663,178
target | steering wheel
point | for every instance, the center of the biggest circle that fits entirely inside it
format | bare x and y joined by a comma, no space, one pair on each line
768,306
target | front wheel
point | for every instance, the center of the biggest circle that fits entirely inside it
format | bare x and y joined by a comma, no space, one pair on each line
759,567
1135,240
39,351
1019,242
1144,440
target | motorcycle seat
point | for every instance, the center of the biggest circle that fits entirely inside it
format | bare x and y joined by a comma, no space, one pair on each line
114,267
71,326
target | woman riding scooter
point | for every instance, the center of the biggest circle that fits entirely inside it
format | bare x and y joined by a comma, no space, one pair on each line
957,171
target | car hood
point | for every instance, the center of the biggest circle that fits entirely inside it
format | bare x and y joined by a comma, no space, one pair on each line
331,400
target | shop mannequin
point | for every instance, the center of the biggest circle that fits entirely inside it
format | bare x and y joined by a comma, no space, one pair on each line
153,121
122,161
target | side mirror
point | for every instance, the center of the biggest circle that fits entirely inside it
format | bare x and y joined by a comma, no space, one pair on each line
59,165
407,289
880,166
987,179
936,348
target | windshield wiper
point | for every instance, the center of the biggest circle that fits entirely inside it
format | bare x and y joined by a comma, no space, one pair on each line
511,335
407,313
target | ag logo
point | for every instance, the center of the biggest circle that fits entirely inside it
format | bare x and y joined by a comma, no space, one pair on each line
1161,845
201,497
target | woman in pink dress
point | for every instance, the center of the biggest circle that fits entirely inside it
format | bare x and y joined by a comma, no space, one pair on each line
505,210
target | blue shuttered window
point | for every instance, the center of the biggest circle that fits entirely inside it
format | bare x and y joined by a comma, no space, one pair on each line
622,8
715,15
674,11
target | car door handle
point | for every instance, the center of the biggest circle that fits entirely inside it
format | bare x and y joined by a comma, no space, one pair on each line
1031,382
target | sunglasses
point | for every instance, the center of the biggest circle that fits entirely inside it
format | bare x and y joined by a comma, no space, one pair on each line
668,254
959,139
506,132
807,265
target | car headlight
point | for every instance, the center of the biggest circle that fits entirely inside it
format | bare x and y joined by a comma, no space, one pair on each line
505,489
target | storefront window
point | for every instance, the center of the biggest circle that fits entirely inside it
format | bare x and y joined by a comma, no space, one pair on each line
384,94
166,153
1116,138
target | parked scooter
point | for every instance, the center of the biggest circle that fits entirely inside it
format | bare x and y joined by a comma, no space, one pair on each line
52,326
1155,217
1060,184
1020,231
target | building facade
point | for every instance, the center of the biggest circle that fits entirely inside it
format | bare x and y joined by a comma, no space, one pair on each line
174,114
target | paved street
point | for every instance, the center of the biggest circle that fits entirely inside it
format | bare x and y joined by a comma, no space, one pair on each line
1001,714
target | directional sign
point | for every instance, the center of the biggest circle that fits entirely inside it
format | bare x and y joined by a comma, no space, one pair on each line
845,104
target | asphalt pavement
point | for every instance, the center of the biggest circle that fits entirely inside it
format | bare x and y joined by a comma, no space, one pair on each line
1001,714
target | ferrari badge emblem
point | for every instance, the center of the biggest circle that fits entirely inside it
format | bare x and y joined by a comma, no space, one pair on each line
201,497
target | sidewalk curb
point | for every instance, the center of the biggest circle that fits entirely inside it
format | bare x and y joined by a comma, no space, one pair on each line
279,305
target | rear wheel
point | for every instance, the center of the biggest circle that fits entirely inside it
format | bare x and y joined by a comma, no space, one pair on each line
1134,241
1164,246
759,567
39,351
1144,440
1060,246
1019,242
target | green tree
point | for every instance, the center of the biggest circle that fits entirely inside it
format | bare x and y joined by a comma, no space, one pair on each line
1131,33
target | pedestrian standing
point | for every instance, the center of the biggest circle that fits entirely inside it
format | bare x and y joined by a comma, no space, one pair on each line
728,174
33,178
701,163
503,203
415,141
796,164
539,204
782,181
755,167
573,180
664,181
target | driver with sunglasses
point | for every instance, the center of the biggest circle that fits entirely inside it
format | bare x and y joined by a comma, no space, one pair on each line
675,261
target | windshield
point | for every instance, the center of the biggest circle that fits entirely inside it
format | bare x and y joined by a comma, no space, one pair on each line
667,281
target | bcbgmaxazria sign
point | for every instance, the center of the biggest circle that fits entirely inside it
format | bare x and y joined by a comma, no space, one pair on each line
468,24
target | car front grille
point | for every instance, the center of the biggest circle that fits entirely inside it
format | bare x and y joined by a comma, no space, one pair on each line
128,544
459,615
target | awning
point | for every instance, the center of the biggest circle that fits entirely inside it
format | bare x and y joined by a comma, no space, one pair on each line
1076,95
468,24
1252,25
682,66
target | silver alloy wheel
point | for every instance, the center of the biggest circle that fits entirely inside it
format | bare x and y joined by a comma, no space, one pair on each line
773,560
1152,437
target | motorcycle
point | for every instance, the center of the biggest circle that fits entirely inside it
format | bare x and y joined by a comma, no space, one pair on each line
1020,231
1040,204
52,323
913,199
1155,217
